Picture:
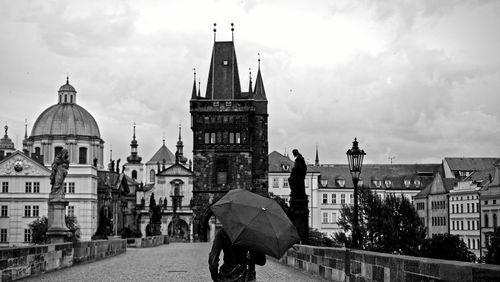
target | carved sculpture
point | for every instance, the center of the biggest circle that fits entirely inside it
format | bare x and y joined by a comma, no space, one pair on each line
60,168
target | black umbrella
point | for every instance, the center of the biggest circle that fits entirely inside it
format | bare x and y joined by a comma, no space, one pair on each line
255,222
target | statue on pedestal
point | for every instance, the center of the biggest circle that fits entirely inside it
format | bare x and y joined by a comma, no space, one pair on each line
299,211
59,171
297,176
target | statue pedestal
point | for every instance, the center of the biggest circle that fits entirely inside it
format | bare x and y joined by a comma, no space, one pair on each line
57,230
299,216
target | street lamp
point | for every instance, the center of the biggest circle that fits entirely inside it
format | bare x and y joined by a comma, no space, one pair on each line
355,158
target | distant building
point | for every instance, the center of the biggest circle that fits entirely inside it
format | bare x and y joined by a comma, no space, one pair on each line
460,168
432,205
465,212
230,144
490,206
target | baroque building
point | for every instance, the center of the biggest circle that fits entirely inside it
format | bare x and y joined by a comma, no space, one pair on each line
25,176
230,144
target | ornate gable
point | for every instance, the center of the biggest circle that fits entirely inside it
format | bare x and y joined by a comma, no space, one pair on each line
18,164
176,170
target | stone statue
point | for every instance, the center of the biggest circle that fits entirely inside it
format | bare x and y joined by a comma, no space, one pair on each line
59,171
95,162
297,176
118,166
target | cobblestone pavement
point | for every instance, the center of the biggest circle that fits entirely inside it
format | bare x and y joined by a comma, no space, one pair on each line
173,262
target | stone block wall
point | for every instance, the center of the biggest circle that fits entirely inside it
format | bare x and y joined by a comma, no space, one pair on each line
339,264
146,242
89,251
21,262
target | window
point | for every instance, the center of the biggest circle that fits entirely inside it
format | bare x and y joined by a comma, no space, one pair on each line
472,207
452,208
325,198
334,218
82,155
5,212
237,138
306,183
212,138
65,185
134,174
219,138
388,183
495,223
5,187
461,225
221,168
473,244
462,208
36,211
27,187
276,182
37,151
342,198
3,235
407,183
285,182
152,175
27,211
71,210
468,243
325,217
417,182
334,198
36,187
207,138
71,187
453,225
27,235
468,225
351,198
231,137
468,208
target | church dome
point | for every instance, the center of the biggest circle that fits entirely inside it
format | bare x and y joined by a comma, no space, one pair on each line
66,118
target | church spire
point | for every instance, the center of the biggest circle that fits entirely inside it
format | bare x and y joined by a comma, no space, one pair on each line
260,92
134,156
193,94
179,155
250,82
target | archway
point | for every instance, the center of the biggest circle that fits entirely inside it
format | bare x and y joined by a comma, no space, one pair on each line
178,228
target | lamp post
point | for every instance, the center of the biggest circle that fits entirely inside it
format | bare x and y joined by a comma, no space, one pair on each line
355,158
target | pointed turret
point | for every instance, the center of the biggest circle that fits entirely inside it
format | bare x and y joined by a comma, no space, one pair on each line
250,92
259,92
193,94
25,140
134,158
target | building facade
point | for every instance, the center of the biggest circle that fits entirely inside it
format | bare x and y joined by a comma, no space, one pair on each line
230,144
63,125
490,207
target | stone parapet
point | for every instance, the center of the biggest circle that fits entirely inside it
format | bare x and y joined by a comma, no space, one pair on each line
89,251
20,262
340,264
146,242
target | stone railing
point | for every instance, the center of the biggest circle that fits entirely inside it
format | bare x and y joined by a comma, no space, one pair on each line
339,264
146,242
21,262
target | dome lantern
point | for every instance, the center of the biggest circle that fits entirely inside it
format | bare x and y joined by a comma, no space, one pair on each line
67,93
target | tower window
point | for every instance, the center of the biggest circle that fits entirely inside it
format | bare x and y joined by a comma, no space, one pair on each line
37,151
134,174
225,62
207,138
238,138
82,155
221,168
212,138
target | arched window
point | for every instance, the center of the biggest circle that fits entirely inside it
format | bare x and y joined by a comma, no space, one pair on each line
37,151
495,223
152,175
485,220
82,155
65,98
71,98
134,174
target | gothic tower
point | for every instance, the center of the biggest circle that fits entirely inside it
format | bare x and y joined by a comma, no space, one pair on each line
229,127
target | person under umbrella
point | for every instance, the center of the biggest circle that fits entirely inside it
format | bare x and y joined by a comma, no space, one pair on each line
239,262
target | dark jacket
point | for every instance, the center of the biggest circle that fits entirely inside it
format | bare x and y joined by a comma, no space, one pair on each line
236,260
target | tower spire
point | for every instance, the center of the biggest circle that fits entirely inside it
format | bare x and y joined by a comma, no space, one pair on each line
215,30
259,92
193,94
134,156
179,132
67,78
25,128
134,132
232,31
250,83
199,87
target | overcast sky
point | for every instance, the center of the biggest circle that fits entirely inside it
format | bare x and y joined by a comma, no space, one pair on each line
417,80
